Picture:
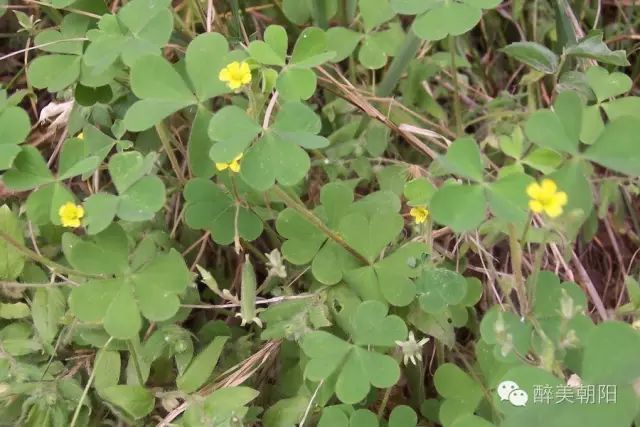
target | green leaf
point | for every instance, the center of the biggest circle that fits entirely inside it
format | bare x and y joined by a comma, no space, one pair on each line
29,171
463,159
593,47
310,49
106,369
446,18
209,207
206,55
233,130
508,199
161,89
11,261
375,13
361,369
54,72
142,200
372,326
295,84
303,238
559,130
135,400
104,253
534,55
343,41
16,310
74,160
100,210
202,366
127,168
200,144
462,207
371,55
410,7
274,159
439,288
418,191
617,147
15,124
607,85
47,309
403,416
285,412
462,394
158,284
369,236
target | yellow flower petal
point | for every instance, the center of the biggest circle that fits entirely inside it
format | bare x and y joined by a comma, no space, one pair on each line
533,190
70,214
553,210
535,206
235,166
419,214
560,198
549,187
224,75
222,166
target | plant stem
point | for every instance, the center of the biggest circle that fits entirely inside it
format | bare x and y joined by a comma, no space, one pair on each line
136,362
383,404
163,134
42,260
76,413
516,266
457,108
317,222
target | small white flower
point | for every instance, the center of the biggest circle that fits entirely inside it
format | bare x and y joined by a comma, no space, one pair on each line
412,349
275,264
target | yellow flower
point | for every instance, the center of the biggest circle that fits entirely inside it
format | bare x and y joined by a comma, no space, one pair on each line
236,75
546,198
233,165
419,214
71,214
80,136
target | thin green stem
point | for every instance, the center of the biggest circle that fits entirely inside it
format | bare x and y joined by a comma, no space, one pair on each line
42,260
76,413
163,134
136,362
317,222
383,404
516,266
457,108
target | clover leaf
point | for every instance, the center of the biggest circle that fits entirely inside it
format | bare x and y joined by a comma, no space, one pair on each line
356,368
141,27
376,46
117,303
210,208
296,79
330,260
163,91
140,194
439,288
16,126
62,67
278,155
559,129
438,18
